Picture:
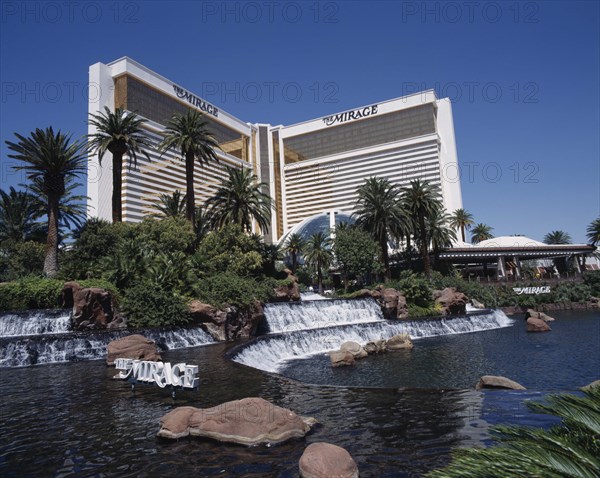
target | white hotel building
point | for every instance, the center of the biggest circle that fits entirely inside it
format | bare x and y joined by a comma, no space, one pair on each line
308,168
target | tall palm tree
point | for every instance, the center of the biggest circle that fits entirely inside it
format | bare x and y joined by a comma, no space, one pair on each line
462,220
379,212
319,255
294,246
240,200
557,237
52,159
120,133
593,232
18,214
170,205
440,231
421,200
481,232
188,134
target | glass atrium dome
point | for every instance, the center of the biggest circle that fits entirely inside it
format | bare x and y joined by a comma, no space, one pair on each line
319,222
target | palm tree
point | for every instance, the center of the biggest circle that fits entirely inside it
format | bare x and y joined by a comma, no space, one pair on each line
170,205
421,199
119,133
557,237
440,231
593,232
481,232
50,159
379,212
240,200
568,449
18,214
318,254
462,220
188,134
294,246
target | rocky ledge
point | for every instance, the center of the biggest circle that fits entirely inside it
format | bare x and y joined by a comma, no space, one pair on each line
349,352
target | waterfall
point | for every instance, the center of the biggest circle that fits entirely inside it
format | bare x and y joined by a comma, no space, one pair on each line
290,316
36,323
41,337
270,352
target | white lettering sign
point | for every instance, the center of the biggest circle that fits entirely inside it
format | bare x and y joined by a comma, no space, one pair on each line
160,373
532,290
351,115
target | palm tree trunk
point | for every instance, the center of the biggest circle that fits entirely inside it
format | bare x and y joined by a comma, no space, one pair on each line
462,230
319,277
51,258
294,262
424,252
117,210
189,185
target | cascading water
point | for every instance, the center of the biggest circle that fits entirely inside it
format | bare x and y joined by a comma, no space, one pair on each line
290,316
43,337
271,352
36,323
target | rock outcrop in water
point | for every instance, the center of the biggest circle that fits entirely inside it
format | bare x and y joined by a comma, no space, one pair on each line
451,301
341,358
392,302
229,324
93,308
250,421
537,325
498,382
324,460
399,342
538,315
354,348
136,347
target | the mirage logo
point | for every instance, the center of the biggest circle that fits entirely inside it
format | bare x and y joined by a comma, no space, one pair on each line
351,115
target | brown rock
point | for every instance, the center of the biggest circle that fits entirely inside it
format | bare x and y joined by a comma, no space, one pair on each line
354,348
229,324
589,386
537,325
402,310
68,292
340,359
324,460
375,347
498,382
452,301
393,304
135,347
287,293
399,342
478,305
249,421
93,306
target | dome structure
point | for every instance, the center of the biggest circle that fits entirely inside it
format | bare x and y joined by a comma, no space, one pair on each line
318,223
510,241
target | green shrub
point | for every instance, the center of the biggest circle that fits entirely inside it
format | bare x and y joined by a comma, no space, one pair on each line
21,259
229,289
592,279
415,287
149,305
31,293
415,311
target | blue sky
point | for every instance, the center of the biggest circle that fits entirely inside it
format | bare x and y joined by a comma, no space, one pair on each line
523,76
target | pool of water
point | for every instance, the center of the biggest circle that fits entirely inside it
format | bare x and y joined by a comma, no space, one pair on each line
565,358
72,419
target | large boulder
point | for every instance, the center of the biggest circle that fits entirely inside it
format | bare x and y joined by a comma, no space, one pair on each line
399,342
537,325
451,301
93,308
498,382
324,460
228,324
354,348
340,359
478,305
289,292
393,304
249,421
136,347
68,293
589,386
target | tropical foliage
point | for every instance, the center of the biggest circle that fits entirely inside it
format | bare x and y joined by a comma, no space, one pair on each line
294,246
593,232
379,212
18,213
189,135
481,232
121,133
461,220
240,200
50,160
356,253
170,205
319,255
557,237
570,449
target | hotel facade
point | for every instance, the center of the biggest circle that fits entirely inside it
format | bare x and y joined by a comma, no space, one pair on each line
308,168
